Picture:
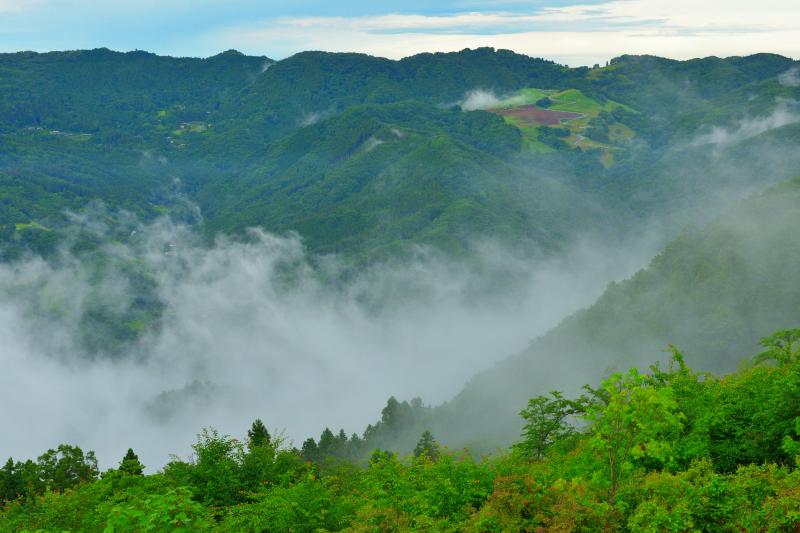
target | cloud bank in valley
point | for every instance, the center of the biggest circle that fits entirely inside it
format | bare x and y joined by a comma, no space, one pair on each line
785,113
790,78
251,329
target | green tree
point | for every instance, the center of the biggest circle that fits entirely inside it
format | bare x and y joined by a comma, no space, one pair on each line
637,422
257,435
546,421
66,466
327,443
427,446
310,450
11,484
217,470
783,347
130,464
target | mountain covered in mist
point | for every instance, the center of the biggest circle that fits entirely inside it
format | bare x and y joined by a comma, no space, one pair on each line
713,292
140,196
364,156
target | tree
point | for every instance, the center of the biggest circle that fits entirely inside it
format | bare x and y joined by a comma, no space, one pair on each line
783,347
340,445
217,470
546,421
637,422
310,450
257,435
258,464
130,464
66,466
327,443
354,447
390,415
11,484
427,446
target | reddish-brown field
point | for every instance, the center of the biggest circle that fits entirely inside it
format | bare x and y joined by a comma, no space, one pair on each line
536,116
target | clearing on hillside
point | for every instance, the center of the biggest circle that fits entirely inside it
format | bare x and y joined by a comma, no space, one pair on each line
536,116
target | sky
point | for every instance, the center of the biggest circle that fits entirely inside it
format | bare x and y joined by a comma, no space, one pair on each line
569,32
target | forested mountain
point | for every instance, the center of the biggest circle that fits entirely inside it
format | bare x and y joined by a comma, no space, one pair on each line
276,144
714,291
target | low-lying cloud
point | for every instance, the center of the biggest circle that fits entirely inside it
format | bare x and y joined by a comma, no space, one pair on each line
483,99
790,78
785,113
257,329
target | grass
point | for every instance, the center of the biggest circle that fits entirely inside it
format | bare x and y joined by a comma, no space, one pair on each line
191,127
530,136
31,225
620,132
573,101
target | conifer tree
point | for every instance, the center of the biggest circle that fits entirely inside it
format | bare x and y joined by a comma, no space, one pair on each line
258,435
310,451
427,446
130,464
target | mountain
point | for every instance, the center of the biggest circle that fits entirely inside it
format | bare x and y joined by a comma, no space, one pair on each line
376,176
369,158
116,94
365,156
713,292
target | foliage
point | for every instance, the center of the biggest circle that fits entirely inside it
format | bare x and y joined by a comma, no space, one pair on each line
783,347
648,459
130,464
699,293
637,421
547,422
427,447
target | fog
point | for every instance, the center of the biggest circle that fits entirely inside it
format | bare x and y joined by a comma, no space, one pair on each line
260,329
484,99
790,78
786,112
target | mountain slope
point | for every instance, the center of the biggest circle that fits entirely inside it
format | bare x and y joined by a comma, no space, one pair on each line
363,155
713,292
374,176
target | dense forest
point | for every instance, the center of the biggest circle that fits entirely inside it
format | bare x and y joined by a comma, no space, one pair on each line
365,156
666,449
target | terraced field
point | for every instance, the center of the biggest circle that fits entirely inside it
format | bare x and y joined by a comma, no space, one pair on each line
570,113
536,116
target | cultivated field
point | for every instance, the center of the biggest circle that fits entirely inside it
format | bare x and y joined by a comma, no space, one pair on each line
535,116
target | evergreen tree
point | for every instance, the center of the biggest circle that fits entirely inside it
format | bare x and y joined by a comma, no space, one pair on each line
130,464
11,485
354,447
310,450
427,446
258,435
340,446
327,443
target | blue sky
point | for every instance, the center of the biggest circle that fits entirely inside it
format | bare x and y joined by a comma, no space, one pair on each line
571,32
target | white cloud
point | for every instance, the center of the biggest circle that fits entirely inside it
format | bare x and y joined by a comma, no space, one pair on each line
483,99
479,99
11,6
580,34
790,78
784,114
